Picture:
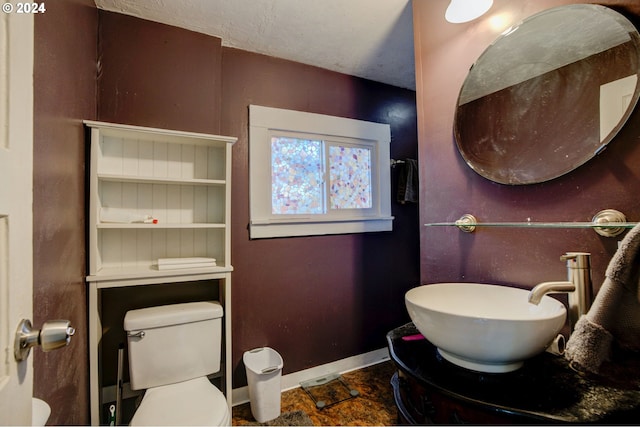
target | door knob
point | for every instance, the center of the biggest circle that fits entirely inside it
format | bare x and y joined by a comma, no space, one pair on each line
54,334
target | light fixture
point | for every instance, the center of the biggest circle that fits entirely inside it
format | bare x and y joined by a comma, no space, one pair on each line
460,11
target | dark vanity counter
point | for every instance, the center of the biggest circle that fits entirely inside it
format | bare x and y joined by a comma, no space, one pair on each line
428,389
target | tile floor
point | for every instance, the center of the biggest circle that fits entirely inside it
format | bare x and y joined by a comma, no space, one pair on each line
373,407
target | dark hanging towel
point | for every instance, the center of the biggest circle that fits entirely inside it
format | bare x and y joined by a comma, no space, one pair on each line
407,181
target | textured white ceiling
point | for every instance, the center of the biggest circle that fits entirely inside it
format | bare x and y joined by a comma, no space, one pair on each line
372,39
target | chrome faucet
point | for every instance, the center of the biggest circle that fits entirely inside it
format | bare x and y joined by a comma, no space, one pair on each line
578,286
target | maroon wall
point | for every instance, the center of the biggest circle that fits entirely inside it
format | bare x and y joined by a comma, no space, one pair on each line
449,188
315,299
64,94
158,76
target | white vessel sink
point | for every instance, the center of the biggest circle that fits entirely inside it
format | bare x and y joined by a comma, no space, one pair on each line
486,328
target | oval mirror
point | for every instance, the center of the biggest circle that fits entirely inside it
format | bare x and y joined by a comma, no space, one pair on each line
548,94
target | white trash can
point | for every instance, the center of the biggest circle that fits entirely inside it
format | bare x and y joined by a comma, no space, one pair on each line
264,376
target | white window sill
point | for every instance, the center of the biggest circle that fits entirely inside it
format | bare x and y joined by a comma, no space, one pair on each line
268,228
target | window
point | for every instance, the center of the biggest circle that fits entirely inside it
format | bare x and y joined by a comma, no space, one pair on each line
313,174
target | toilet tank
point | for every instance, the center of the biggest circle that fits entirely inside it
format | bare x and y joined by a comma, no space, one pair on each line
173,343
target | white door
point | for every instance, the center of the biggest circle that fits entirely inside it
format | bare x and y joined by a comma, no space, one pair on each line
16,187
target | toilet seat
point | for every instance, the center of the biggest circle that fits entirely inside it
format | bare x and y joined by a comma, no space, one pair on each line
192,402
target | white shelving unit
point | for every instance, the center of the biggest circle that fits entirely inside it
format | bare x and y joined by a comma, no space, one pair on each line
181,180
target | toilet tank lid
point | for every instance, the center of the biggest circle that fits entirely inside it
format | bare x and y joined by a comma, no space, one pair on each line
174,314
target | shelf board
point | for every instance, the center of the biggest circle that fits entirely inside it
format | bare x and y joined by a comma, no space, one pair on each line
173,136
122,276
158,180
139,225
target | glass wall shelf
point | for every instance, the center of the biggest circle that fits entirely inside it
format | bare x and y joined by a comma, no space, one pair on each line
608,223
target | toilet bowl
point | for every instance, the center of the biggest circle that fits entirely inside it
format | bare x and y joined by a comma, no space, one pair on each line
40,411
172,350
194,402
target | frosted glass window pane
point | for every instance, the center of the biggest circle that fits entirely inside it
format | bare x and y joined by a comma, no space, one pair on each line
350,177
296,176
293,189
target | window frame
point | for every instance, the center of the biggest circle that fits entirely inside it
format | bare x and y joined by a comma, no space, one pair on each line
266,122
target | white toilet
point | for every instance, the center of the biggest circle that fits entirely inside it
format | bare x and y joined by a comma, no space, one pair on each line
172,349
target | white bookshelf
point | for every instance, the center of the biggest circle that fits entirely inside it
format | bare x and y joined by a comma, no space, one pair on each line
181,181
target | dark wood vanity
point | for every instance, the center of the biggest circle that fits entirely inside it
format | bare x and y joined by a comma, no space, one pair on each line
430,390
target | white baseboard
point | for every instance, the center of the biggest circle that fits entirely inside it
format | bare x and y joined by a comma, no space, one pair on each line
241,395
